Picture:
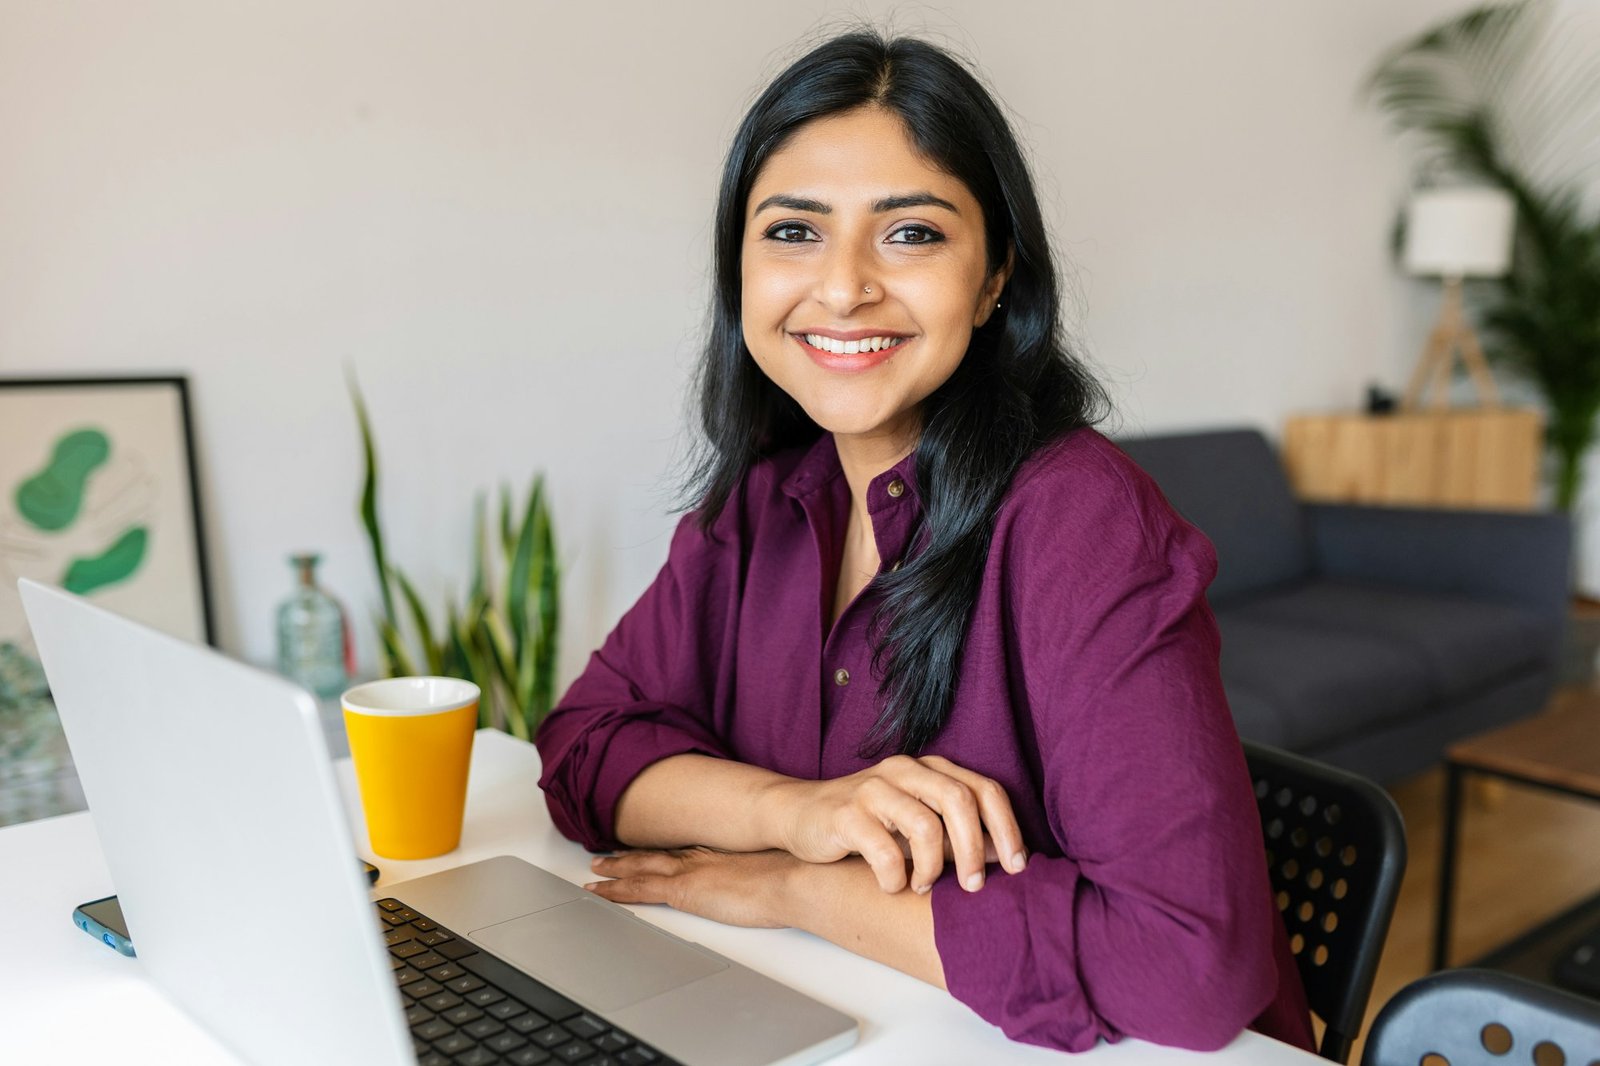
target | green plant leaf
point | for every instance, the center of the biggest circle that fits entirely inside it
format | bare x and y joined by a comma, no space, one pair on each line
518,579
369,500
400,664
432,653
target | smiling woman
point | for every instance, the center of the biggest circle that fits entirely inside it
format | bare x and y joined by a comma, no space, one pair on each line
929,670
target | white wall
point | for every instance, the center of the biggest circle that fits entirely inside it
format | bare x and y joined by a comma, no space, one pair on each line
498,214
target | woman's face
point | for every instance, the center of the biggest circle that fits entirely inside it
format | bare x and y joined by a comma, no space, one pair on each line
864,274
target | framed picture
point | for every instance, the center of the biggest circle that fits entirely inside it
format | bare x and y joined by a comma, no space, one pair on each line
98,496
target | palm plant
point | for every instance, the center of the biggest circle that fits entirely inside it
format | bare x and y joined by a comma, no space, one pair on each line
1502,95
504,638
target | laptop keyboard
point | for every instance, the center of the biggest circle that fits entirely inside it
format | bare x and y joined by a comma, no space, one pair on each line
467,1008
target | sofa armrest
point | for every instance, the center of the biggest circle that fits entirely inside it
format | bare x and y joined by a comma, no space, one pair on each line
1511,557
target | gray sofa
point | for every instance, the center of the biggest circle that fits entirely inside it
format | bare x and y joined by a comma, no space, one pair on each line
1366,637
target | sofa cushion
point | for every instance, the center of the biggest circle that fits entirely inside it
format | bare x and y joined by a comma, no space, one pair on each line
1231,485
1314,685
1464,645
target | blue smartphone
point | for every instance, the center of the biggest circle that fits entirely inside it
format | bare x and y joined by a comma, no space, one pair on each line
102,919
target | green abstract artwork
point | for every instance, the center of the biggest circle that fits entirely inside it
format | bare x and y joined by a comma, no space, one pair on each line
116,563
52,500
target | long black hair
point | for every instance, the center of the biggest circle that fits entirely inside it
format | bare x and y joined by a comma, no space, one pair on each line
1016,388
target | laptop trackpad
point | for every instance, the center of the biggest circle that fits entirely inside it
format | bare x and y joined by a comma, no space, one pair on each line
596,955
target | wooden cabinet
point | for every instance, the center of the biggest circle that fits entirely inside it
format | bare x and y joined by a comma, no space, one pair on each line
1472,457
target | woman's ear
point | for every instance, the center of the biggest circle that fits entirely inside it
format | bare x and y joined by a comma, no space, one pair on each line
989,298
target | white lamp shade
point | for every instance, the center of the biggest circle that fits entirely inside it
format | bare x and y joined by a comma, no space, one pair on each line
1459,232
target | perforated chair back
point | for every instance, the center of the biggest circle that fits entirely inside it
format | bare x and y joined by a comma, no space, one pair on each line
1467,1017
1336,849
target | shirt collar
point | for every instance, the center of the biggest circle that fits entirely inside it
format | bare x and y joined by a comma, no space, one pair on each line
896,486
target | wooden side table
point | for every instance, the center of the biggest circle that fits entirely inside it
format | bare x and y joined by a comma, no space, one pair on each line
1459,457
1558,751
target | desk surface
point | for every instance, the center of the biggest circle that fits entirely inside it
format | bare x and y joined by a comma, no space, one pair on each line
69,999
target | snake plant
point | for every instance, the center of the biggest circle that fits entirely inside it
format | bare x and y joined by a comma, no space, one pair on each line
503,638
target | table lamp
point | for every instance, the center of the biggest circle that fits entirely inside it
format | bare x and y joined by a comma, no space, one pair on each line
1456,233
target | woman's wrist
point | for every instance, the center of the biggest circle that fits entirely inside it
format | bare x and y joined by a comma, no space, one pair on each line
774,812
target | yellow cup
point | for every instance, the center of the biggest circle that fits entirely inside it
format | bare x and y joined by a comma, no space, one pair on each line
411,739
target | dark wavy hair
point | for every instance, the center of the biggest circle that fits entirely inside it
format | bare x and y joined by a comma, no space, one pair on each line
1017,387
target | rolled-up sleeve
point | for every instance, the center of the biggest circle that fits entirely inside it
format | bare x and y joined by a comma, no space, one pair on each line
1150,916
644,696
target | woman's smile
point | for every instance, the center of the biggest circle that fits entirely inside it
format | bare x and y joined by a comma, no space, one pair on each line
832,351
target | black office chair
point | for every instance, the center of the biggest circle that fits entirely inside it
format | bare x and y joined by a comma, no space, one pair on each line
1463,1017
1336,850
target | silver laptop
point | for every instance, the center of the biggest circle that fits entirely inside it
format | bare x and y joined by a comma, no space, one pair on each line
216,806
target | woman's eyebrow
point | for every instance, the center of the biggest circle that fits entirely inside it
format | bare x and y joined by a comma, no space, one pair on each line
888,203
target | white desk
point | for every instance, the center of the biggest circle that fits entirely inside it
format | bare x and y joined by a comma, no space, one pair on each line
70,999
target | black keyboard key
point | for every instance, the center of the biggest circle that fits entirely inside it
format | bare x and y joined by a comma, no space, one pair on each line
406,914
504,1042
507,1008
544,1000
455,949
612,1042
433,1058
405,975
553,1037
448,972
426,961
481,1028
418,1014
478,1056
407,948
442,1002
528,1056
430,937
392,919
576,1051
462,1015
423,989
436,1029
423,924
399,935
464,984
455,1044
586,1026
638,1056
527,1021
389,904
484,996
395,964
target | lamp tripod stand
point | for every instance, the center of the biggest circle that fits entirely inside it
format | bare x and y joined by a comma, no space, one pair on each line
1452,336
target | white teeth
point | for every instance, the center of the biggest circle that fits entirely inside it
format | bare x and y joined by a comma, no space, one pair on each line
866,344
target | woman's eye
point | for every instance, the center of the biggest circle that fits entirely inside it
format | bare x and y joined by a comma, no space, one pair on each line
916,235
788,232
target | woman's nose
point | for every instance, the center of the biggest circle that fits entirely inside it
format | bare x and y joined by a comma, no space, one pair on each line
848,281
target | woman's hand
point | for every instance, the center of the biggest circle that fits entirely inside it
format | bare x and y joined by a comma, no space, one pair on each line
929,801
735,888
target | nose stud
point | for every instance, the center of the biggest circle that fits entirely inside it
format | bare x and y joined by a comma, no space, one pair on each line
867,289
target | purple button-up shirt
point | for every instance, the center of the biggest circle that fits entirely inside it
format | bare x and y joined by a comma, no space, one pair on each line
1089,688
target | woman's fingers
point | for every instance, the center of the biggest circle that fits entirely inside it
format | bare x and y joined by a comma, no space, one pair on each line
924,832
636,864
995,809
961,822
866,836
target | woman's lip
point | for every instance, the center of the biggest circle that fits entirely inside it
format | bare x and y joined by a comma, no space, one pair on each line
849,334
859,361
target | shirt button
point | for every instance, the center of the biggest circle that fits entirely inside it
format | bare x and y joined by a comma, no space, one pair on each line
897,488
841,676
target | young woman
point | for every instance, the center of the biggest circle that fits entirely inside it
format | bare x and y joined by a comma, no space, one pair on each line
930,671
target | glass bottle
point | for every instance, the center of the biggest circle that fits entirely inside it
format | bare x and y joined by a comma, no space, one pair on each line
312,643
